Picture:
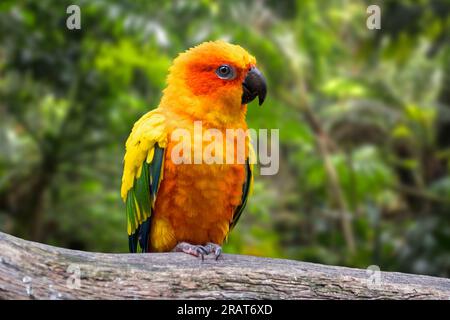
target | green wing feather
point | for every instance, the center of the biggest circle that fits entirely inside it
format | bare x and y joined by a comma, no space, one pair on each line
141,199
246,190
142,174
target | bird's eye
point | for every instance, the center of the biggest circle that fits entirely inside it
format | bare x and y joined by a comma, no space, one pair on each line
225,72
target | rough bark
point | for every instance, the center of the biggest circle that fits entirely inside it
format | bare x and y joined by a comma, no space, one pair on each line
30,270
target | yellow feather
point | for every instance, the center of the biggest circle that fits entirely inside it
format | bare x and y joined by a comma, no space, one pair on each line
129,227
150,155
139,172
147,131
138,211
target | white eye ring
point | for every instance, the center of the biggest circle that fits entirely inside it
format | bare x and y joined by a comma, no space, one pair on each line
225,72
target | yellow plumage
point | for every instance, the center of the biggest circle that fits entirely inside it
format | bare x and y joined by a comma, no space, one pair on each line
146,132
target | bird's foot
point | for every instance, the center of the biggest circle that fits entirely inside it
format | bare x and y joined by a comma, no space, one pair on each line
214,248
199,250
192,249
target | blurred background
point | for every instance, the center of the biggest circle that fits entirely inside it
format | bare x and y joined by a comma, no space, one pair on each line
364,119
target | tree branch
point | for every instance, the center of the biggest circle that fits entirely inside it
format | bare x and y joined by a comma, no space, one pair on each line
31,270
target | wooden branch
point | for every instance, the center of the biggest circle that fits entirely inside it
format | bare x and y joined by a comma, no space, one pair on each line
31,270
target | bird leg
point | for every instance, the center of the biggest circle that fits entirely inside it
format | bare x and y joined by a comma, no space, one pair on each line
199,250
214,248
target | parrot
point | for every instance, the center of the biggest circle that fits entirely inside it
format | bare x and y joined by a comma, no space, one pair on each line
191,207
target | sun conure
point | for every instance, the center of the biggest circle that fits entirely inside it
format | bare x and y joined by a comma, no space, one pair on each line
191,207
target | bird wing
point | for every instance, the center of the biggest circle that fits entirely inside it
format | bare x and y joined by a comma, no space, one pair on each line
142,174
247,187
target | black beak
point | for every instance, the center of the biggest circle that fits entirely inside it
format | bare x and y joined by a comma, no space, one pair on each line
254,85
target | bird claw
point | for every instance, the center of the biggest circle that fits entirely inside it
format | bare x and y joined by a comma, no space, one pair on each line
218,253
199,250
214,248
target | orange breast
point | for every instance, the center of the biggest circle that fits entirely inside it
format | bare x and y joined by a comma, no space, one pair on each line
195,203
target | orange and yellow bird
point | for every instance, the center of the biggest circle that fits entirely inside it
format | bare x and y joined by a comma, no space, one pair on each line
191,207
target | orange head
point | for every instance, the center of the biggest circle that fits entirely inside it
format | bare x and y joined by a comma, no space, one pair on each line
214,77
